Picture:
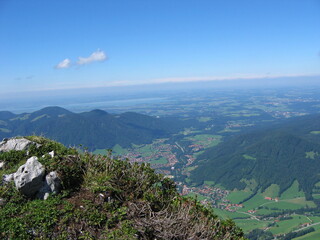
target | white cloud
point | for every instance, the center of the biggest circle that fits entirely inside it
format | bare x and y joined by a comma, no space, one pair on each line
96,56
66,63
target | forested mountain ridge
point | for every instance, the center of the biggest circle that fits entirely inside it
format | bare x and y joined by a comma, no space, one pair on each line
277,154
94,129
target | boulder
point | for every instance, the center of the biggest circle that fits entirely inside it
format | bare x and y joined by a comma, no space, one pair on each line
52,184
1,165
17,144
29,177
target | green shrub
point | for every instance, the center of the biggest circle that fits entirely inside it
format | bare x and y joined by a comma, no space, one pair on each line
13,159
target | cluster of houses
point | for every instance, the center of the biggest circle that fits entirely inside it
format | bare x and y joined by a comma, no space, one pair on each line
215,196
160,151
190,159
272,199
196,147
233,124
252,211
285,114
230,206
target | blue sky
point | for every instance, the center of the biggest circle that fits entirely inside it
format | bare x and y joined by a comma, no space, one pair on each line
80,43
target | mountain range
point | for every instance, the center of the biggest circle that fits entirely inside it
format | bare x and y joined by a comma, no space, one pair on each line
96,129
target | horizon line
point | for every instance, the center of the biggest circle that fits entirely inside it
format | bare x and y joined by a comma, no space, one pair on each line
157,81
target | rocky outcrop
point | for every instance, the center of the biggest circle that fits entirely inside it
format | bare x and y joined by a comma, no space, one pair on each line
17,144
52,184
31,181
29,177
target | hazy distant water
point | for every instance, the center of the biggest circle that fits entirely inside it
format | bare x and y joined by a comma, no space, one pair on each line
78,104
122,98
87,106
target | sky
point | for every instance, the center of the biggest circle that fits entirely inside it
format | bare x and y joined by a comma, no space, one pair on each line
79,44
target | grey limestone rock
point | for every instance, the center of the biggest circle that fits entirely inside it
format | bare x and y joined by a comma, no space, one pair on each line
53,181
29,177
7,178
51,154
17,144
52,184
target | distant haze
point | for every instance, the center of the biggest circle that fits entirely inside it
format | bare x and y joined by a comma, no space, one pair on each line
91,98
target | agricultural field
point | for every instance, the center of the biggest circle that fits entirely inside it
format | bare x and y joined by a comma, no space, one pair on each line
310,236
315,132
285,226
257,212
238,196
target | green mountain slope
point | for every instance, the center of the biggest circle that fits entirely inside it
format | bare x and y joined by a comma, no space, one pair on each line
6,115
278,154
95,129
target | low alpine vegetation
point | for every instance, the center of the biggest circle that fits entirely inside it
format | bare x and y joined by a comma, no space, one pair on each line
102,198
